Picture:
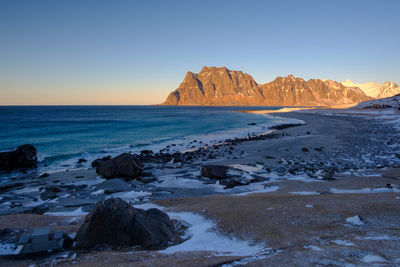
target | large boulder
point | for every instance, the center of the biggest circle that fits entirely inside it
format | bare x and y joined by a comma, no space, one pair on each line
124,165
116,223
24,157
214,171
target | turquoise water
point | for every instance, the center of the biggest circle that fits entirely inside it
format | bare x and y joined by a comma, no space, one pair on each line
64,133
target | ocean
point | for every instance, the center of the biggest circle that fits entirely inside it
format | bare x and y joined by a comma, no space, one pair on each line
63,134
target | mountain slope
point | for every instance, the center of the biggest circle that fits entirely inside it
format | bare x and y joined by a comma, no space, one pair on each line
374,89
220,86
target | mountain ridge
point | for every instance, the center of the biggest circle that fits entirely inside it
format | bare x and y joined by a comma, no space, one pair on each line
219,86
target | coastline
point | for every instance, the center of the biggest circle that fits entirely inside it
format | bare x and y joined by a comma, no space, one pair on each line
286,190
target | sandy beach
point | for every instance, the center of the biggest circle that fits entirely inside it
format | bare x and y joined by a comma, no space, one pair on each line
303,195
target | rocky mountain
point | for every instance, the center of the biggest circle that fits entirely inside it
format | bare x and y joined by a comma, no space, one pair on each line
220,86
374,89
393,101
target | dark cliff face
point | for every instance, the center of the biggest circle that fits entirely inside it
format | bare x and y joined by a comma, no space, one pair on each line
222,87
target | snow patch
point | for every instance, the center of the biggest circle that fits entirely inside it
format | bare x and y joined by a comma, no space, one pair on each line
365,190
315,248
343,242
132,196
264,189
305,193
202,238
7,249
370,258
355,220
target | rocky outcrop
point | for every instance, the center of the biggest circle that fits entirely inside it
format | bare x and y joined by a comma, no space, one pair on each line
124,165
116,223
24,157
214,171
220,86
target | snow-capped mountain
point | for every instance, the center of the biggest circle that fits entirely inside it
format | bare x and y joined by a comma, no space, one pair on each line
374,89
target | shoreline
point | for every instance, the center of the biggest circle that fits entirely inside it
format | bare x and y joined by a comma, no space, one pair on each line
284,173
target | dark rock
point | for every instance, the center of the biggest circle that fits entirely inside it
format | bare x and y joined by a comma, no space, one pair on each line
99,161
79,176
82,160
146,152
44,175
116,223
147,179
48,195
308,132
67,242
9,185
304,149
124,165
24,157
53,188
233,182
280,170
252,123
40,209
269,157
214,171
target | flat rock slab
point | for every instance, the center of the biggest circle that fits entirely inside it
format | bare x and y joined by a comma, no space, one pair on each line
113,186
75,202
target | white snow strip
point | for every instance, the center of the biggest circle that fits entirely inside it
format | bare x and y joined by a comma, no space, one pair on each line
26,191
131,195
378,238
263,189
364,190
308,206
305,193
177,182
98,192
77,212
303,179
247,168
315,248
343,242
370,258
202,238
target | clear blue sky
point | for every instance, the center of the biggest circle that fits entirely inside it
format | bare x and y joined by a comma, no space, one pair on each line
136,52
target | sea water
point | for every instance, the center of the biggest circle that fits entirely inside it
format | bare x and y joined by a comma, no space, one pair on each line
63,134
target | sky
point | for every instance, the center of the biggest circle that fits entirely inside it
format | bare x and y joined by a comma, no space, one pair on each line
81,52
